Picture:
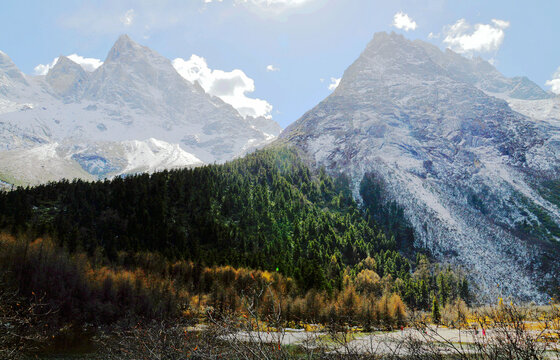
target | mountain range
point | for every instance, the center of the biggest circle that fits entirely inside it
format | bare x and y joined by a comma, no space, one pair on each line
470,156
134,113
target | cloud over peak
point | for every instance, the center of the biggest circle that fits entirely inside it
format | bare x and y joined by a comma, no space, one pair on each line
468,39
404,22
334,83
128,17
232,87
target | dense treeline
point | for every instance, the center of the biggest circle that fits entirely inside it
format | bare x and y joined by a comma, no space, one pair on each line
79,290
267,211
141,285
386,213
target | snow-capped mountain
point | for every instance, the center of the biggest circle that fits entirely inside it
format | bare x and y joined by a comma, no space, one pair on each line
473,175
133,113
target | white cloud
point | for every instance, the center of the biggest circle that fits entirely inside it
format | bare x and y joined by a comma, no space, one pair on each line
334,83
88,64
502,24
43,69
272,68
467,39
128,17
232,87
403,21
554,83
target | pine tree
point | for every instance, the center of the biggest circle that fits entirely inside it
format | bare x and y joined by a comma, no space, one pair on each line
464,292
436,315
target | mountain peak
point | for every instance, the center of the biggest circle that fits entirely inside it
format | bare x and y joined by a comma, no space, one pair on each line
383,36
124,41
66,77
392,56
64,62
8,67
124,38
383,39
4,58
123,46
3,55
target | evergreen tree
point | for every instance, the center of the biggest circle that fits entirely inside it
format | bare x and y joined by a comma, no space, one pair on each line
436,315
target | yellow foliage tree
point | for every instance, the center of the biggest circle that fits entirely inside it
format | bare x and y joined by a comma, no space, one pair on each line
397,309
368,281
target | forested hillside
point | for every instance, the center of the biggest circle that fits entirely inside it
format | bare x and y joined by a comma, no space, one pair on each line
267,211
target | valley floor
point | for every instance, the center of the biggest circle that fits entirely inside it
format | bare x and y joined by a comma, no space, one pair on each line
408,343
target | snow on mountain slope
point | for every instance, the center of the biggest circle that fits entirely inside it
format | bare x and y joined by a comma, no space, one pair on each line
54,161
541,109
7,106
143,156
38,165
467,169
135,95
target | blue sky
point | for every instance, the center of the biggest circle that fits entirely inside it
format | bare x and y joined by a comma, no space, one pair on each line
307,42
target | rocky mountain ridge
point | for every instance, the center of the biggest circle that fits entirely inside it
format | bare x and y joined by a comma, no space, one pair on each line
91,118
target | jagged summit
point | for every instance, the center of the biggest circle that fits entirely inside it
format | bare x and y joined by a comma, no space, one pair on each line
383,37
469,172
67,78
124,40
129,70
394,54
123,48
62,63
389,56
